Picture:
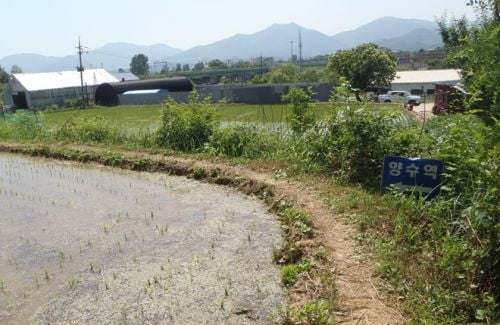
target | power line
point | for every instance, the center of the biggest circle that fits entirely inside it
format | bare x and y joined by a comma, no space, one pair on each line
81,49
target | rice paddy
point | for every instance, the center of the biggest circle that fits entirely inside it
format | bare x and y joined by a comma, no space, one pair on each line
89,244
149,115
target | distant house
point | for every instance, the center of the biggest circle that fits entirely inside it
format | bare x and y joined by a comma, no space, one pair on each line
39,90
125,76
422,82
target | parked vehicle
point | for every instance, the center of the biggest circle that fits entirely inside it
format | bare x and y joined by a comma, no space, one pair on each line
448,99
400,96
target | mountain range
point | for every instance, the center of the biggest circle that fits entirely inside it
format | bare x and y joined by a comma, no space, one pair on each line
394,33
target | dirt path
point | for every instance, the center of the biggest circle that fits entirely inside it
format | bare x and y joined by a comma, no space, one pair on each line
359,300
423,112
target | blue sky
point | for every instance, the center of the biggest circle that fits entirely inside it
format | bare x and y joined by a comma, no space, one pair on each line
52,27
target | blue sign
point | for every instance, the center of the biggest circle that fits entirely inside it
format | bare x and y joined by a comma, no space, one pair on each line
412,175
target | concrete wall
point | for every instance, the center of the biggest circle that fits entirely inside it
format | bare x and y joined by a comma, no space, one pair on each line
241,94
262,94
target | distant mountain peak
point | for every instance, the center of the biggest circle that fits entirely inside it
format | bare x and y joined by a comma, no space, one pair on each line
391,30
272,41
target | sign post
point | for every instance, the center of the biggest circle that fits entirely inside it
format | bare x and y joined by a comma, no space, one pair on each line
412,175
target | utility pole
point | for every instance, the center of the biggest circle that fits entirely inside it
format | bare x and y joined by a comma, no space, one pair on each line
291,50
300,51
261,65
81,49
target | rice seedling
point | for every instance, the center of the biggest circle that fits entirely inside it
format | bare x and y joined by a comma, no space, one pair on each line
73,283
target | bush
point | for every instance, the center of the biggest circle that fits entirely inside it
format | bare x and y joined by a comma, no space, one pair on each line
447,250
187,127
232,141
302,113
72,103
93,129
22,126
351,144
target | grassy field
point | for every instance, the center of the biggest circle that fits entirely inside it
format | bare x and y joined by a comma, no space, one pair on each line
145,115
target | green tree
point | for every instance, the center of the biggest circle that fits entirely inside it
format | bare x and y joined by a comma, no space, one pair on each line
475,48
311,75
165,68
199,66
178,67
242,65
16,69
437,64
260,79
185,67
217,64
139,65
286,73
4,76
363,66
490,9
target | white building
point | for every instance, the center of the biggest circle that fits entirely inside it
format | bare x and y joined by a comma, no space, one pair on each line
422,82
39,90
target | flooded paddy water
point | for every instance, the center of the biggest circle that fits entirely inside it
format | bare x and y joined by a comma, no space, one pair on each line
94,245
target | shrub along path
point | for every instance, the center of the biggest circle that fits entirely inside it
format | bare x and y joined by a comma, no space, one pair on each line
358,299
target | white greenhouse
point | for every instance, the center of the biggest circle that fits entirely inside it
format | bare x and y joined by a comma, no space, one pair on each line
39,90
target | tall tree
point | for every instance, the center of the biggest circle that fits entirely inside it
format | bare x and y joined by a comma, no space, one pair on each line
185,67
311,75
165,68
139,65
286,73
16,69
199,66
365,65
4,76
475,48
178,67
216,64
489,8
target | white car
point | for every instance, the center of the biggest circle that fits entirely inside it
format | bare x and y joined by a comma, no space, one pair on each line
400,96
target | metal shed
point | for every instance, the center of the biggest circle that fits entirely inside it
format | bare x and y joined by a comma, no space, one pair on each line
39,90
107,94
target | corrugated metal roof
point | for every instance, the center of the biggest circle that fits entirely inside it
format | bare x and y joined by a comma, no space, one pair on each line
63,79
427,76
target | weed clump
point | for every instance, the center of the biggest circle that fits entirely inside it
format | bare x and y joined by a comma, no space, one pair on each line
187,127
316,312
290,273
